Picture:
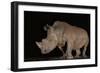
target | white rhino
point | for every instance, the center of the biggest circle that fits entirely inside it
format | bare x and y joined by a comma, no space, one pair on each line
60,33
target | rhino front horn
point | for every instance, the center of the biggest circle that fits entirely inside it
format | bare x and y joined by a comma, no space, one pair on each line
38,44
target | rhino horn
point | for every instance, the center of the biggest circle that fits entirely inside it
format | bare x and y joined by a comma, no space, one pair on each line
38,44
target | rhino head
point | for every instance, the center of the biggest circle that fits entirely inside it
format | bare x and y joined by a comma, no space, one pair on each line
44,47
49,43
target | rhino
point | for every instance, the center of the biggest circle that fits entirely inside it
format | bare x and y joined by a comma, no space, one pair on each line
60,33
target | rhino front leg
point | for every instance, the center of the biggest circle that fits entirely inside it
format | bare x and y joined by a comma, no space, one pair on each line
64,55
69,54
69,51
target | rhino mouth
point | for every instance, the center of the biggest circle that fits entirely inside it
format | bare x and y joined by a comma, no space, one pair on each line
44,52
47,51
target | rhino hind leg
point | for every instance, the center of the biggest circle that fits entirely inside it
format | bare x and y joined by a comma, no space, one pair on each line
84,50
78,52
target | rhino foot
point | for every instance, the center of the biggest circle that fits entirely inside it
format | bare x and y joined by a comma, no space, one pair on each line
85,56
70,57
63,57
77,56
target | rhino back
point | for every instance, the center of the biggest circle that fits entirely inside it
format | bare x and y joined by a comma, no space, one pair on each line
59,25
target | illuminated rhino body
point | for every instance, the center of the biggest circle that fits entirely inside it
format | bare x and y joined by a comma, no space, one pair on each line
60,33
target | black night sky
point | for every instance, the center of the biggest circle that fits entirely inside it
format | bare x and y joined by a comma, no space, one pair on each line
33,31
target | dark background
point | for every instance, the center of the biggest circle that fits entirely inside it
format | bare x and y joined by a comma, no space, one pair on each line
33,31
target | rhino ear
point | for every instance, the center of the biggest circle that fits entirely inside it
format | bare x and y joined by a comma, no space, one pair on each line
38,44
46,27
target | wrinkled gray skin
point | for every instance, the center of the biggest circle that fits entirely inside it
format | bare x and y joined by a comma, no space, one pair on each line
60,33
